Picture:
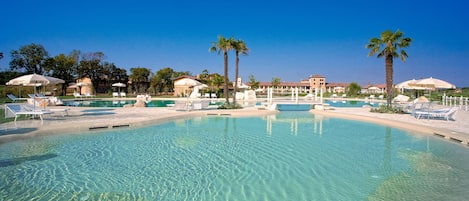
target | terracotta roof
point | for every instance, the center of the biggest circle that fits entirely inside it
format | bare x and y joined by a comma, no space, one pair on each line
285,84
381,86
337,84
316,76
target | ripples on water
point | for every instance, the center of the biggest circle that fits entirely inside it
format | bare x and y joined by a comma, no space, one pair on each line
289,156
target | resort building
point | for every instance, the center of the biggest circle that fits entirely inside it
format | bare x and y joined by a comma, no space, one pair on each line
184,85
309,85
338,88
373,89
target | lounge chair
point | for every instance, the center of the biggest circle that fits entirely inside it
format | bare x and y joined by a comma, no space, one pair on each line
400,99
123,94
15,110
40,96
200,104
182,105
77,95
445,114
213,95
309,96
89,95
14,98
115,94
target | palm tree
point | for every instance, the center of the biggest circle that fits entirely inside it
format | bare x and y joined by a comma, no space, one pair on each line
390,43
240,47
223,45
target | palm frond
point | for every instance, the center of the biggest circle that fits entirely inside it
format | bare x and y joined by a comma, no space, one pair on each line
403,55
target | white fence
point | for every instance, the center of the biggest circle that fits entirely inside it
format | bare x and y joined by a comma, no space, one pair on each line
462,102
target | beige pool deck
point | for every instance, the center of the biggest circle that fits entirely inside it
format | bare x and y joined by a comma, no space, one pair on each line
82,119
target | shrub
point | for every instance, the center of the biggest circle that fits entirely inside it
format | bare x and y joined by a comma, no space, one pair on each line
230,106
387,109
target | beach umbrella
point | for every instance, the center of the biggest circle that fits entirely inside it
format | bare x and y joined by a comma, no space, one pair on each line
187,82
434,83
119,85
54,80
34,80
406,84
29,79
201,86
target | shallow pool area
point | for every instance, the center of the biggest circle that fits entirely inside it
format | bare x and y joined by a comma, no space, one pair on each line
294,107
351,103
287,156
115,103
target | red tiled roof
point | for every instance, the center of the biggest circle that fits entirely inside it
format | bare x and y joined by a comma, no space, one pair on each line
316,76
381,86
337,84
285,84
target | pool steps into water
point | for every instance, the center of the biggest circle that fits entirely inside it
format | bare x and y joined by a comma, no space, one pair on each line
109,126
218,114
452,138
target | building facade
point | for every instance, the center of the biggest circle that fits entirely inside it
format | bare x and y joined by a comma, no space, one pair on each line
309,85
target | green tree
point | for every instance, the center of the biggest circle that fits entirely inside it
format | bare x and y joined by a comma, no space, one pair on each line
113,74
29,59
163,80
181,73
63,67
240,48
276,82
118,75
223,45
140,79
91,66
254,83
217,80
7,75
387,46
353,89
204,76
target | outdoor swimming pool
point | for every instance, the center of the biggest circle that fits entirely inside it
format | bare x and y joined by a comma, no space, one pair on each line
288,156
350,103
115,103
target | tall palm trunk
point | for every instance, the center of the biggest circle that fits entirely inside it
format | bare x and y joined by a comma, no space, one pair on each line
389,81
225,92
236,78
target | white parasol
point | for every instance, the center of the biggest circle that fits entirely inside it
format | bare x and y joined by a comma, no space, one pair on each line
434,83
34,80
29,79
187,82
119,85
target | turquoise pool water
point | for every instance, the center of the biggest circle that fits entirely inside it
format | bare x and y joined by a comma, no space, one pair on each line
115,103
294,107
350,103
289,156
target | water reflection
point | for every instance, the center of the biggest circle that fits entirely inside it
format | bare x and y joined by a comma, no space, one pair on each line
295,118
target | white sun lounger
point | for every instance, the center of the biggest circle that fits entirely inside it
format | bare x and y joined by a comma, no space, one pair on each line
15,110
14,98
445,114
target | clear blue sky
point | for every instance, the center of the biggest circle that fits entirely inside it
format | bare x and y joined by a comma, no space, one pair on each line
288,39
